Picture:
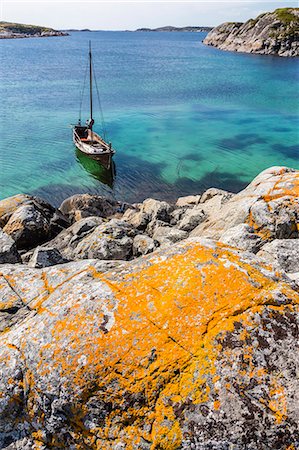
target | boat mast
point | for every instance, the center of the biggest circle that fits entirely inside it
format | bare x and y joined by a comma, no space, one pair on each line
90,85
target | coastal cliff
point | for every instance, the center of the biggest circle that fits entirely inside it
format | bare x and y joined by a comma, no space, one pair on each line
10,30
271,33
153,325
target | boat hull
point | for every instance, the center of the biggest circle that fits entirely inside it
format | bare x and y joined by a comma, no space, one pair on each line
94,147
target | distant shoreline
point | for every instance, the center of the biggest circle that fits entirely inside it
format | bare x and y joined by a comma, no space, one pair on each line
24,36
145,30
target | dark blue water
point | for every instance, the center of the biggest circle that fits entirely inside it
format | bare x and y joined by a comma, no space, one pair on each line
182,116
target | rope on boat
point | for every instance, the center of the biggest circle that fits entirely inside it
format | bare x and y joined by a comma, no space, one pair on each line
100,105
82,92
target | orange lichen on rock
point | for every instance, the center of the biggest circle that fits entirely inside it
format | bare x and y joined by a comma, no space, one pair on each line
156,349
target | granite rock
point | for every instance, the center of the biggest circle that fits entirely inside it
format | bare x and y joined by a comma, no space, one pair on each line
8,249
282,252
194,346
242,236
272,33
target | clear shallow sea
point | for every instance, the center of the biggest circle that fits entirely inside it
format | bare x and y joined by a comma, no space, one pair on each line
182,116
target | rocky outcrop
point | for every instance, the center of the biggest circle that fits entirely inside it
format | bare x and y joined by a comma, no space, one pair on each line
190,344
269,205
81,206
194,346
273,33
9,30
30,220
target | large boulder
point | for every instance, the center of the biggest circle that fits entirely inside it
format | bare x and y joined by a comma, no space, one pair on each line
80,206
270,205
112,240
168,235
8,249
282,252
192,218
195,347
189,200
157,210
45,257
67,241
137,218
143,244
30,220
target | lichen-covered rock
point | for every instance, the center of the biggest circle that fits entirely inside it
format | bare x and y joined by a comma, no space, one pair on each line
143,244
30,220
80,206
195,346
282,252
168,235
8,249
242,236
111,240
45,257
272,33
270,205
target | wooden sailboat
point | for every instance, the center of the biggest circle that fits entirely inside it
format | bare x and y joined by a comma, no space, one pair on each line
85,139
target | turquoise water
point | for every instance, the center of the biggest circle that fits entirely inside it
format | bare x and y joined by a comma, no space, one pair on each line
182,116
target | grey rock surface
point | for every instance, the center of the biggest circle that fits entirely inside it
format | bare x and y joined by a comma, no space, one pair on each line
282,252
80,206
272,33
242,236
143,244
8,249
30,220
45,257
110,241
192,218
168,235
269,204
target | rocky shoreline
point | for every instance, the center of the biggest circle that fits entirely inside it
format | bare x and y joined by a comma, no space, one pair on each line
9,30
151,325
272,33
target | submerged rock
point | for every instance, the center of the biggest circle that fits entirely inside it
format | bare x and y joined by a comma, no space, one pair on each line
194,346
8,249
271,33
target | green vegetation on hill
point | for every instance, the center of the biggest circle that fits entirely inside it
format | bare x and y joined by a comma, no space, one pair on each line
23,29
286,15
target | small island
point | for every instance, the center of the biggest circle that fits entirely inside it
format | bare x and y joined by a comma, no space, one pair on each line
170,28
271,33
9,30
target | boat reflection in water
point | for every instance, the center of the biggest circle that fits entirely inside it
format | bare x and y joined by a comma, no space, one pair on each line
96,169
